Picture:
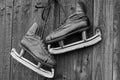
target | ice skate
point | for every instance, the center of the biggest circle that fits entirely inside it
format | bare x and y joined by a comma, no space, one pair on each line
32,45
75,23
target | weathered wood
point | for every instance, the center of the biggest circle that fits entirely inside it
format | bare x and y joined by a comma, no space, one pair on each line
5,38
8,31
116,44
2,37
102,56
98,62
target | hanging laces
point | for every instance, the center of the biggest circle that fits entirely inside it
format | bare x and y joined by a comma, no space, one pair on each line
46,12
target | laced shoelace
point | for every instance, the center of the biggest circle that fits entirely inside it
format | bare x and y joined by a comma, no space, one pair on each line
45,15
46,12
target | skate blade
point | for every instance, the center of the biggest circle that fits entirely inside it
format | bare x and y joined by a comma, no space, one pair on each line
31,65
77,45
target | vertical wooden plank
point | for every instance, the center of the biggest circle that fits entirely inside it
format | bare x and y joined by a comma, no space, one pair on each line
109,40
102,56
8,31
16,68
5,38
116,35
99,19
2,26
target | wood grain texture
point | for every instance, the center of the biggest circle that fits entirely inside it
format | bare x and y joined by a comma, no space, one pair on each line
5,38
103,53
98,62
116,34
8,33
98,57
2,26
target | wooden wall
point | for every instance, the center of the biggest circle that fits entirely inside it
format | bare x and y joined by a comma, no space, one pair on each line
98,62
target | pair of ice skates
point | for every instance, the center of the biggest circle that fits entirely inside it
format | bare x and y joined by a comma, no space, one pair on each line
33,45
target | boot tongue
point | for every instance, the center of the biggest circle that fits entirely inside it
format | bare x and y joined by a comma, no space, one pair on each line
79,11
80,7
32,29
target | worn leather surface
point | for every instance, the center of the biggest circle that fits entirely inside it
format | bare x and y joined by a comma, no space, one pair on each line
75,21
36,47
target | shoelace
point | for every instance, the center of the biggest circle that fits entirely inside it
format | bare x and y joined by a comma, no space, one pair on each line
46,13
